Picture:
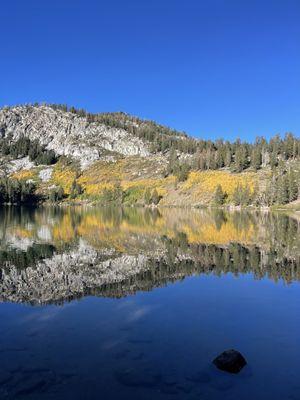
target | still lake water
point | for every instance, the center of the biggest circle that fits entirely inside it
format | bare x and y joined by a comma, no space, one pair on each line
135,304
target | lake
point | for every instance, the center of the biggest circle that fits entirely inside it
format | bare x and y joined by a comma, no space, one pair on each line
104,303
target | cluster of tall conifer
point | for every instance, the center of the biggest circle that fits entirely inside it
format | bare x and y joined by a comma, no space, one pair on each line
282,188
13,191
23,147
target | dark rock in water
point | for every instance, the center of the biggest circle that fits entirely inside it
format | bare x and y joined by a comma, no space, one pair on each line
230,361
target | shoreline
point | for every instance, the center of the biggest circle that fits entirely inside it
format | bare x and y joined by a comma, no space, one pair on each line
91,203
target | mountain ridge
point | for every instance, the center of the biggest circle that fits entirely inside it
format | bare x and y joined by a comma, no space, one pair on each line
116,157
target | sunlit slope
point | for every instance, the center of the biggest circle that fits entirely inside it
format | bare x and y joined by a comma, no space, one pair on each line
134,175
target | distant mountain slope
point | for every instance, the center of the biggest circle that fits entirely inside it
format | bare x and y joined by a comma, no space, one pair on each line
56,153
69,134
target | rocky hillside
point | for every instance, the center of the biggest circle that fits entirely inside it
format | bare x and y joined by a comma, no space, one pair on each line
69,134
54,153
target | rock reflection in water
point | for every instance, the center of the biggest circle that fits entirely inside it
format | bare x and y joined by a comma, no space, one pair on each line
51,255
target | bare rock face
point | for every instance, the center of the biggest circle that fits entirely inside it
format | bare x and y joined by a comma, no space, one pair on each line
230,361
20,164
45,174
69,134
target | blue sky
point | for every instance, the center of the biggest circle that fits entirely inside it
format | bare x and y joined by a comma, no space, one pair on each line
213,68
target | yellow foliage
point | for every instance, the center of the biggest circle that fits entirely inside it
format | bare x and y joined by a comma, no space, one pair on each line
198,188
104,175
24,174
205,183
101,172
157,184
63,175
23,233
101,175
95,189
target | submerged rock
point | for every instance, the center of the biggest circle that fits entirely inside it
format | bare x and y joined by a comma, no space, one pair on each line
230,361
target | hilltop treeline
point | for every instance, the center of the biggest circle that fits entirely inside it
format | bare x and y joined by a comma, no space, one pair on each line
207,154
239,156
204,154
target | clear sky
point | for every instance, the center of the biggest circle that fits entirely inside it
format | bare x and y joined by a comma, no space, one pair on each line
214,68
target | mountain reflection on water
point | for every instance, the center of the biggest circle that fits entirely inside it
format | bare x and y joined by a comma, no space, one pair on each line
53,255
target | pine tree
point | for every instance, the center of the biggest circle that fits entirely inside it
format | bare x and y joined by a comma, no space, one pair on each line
219,159
241,160
292,186
172,161
201,162
273,159
245,196
236,196
147,196
289,145
117,193
282,195
256,158
76,190
182,172
56,194
220,196
228,157
155,197
255,194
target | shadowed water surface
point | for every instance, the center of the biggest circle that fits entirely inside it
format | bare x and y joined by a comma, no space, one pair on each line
135,304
